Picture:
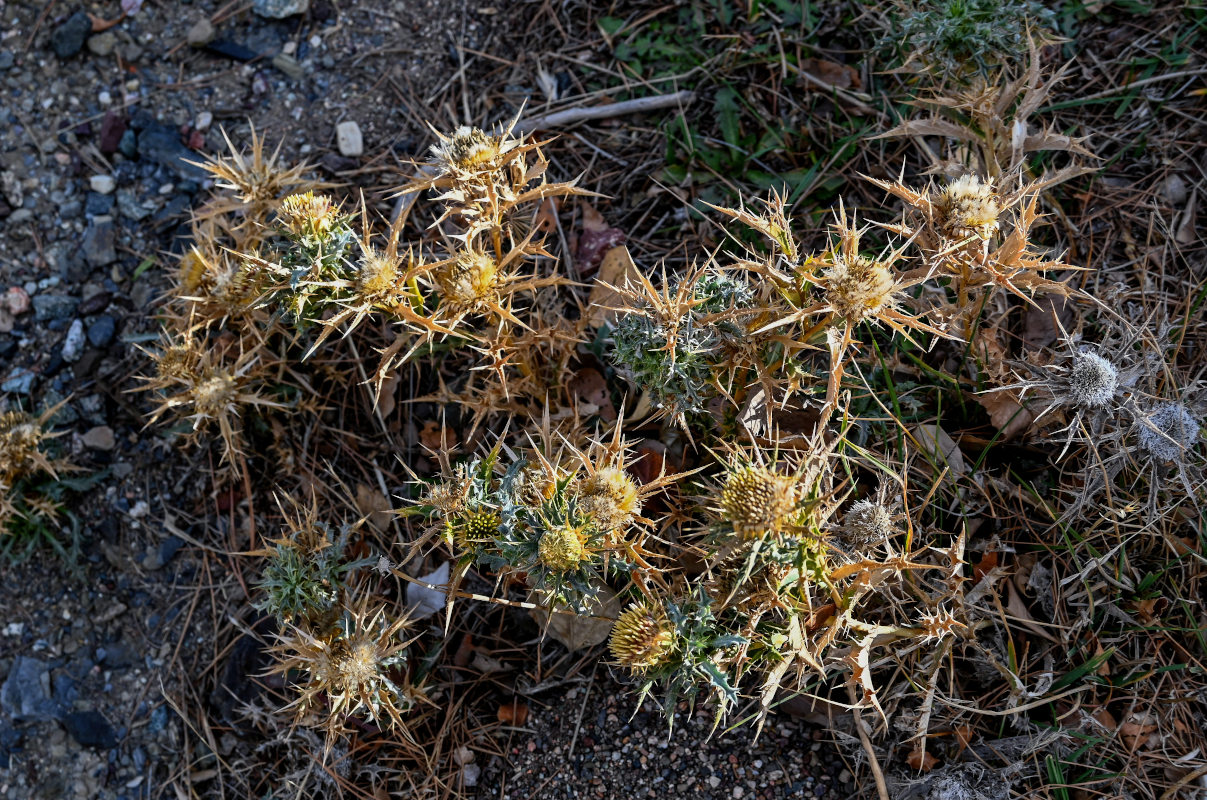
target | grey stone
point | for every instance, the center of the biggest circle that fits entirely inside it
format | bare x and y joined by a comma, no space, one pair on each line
71,209
68,39
279,9
6,60
19,381
91,729
128,144
98,205
289,65
99,438
102,44
161,145
49,307
73,344
98,243
102,331
26,694
349,140
129,206
201,33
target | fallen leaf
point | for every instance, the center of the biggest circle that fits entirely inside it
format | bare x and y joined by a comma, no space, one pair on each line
1022,615
1186,232
374,506
941,447
596,239
982,567
423,602
1104,718
840,76
1043,321
386,396
513,713
1006,414
919,760
487,664
435,437
616,269
464,652
591,390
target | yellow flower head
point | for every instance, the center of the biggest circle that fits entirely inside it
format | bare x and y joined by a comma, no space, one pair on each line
308,214
642,638
562,548
609,497
858,288
758,501
968,207
468,279
467,149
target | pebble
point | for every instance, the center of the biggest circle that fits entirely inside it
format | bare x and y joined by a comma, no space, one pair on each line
102,184
279,9
99,242
68,39
48,307
98,205
73,343
203,122
289,65
102,331
1175,190
348,138
102,44
6,60
201,33
91,729
99,438
128,205
161,145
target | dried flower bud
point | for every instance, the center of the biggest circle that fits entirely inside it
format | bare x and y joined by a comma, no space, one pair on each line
608,497
859,288
1167,431
467,148
1092,380
308,214
562,549
467,279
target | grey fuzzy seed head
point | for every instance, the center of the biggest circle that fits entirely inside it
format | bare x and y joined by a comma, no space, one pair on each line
1167,431
868,522
1092,380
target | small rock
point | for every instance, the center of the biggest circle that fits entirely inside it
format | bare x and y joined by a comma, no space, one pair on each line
231,50
98,205
6,60
68,39
102,330
73,344
103,44
168,549
102,184
17,300
113,127
1175,190
19,381
201,33
10,187
128,144
25,695
161,145
91,729
48,307
129,206
203,122
99,242
289,65
279,9
99,438
348,138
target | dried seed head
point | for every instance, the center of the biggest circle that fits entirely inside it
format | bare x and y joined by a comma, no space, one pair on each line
20,435
308,214
609,497
868,523
1167,431
642,638
378,275
1092,380
214,394
562,549
467,148
968,207
533,486
177,361
191,271
757,501
859,288
468,279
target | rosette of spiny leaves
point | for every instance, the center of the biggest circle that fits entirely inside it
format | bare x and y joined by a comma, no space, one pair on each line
675,649
305,572
313,258
26,457
355,666
683,344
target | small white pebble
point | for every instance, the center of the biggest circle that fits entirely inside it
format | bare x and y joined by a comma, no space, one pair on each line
349,140
204,120
102,184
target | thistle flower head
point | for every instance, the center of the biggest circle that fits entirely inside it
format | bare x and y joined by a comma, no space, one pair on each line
858,288
1167,431
642,638
20,436
609,497
869,522
215,393
308,214
562,548
968,207
378,274
468,279
758,501
467,149
1092,380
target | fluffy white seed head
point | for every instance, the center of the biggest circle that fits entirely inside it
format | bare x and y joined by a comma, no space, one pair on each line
1092,380
1167,431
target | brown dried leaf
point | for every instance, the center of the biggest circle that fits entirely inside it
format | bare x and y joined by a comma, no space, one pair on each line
591,390
615,269
595,241
375,506
920,760
1042,322
840,76
1009,416
513,713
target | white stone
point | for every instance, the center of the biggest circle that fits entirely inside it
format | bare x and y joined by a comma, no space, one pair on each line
349,139
73,344
204,120
102,184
